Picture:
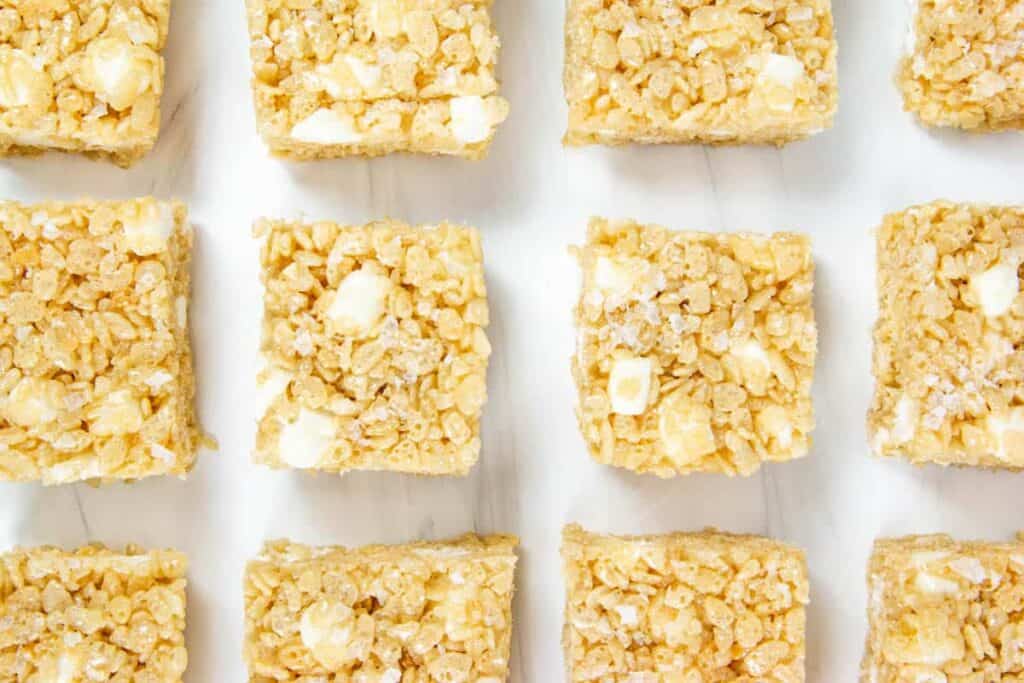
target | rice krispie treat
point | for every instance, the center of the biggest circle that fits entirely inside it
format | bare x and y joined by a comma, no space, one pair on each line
947,356
695,351
83,76
710,71
335,78
704,606
375,347
95,361
941,610
92,615
963,65
406,613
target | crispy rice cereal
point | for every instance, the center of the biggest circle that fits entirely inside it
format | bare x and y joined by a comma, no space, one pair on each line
95,362
710,71
335,78
947,356
81,76
945,611
92,615
375,347
690,607
695,351
963,65
410,613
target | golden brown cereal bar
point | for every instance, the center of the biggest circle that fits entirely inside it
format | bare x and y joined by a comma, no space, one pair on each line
92,615
963,65
83,76
941,610
704,606
710,71
367,77
95,361
947,361
375,347
695,351
417,612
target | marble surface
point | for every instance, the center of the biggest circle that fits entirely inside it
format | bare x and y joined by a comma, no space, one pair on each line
531,199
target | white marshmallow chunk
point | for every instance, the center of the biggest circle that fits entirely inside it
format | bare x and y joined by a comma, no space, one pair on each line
696,46
17,73
469,120
630,385
181,311
271,382
326,127
360,301
34,401
782,70
628,615
926,557
996,289
69,667
611,276
368,75
905,424
753,359
326,629
970,568
1008,432
304,443
148,232
929,583
118,71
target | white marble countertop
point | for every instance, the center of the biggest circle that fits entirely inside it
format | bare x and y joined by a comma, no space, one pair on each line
531,199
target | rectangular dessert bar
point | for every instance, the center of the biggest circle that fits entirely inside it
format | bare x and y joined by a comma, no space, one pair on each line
375,348
95,361
92,615
963,65
943,610
417,612
369,77
709,71
83,76
948,362
695,351
704,607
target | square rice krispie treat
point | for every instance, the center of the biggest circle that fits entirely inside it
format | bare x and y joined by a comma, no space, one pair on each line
375,348
963,65
948,361
95,362
704,606
82,76
709,71
406,613
335,78
944,611
695,351
92,615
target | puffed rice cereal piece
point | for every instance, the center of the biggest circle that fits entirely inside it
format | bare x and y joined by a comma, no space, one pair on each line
92,615
376,355
408,613
963,65
947,356
704,606
96,375
695,351
82,76
708,71
941,610
336,78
